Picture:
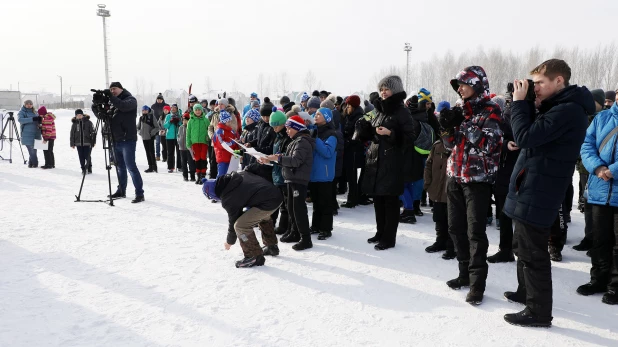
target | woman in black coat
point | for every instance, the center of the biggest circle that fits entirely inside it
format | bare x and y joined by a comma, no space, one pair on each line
392,131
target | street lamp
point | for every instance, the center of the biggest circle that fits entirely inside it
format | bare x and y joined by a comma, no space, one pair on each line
61,104
103,13
407,48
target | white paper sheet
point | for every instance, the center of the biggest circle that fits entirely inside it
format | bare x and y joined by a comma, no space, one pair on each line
38,144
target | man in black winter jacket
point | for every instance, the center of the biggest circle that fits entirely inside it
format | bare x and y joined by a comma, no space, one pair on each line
245,189
157,110
124,137
550,142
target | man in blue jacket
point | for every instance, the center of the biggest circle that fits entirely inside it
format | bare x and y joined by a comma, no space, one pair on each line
124,135
600,158
550,142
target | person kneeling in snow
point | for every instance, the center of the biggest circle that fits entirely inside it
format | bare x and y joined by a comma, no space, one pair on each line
244,189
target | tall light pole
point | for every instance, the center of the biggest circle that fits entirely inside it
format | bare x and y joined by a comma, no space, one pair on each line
103,13
61,104
407,48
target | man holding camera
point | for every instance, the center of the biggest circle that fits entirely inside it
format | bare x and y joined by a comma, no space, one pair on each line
550,141
124,135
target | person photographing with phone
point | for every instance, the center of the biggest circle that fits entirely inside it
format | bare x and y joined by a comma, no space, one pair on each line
550,141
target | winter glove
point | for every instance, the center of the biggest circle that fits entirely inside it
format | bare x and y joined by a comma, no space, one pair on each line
107,92
36,118
451,118
175,120
238,152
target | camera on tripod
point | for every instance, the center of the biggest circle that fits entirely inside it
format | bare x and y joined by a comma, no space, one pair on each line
101,104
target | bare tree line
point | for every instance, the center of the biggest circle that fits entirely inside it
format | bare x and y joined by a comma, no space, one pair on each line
594,68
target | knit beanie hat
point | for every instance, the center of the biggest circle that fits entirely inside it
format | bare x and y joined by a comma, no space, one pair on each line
146,108
166,107
198,107
223,102
314,102
284,100
296,123
599,96
255,103
326,113
610,95
254,95
327,104
224,116
115,84
277,118
424,96
353,100
305,97
368,107
43,111
254,115
391,82
267,111
79,111
192,98
160,97
443,105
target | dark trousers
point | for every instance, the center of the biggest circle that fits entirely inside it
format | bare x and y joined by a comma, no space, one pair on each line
588,234
567,203
187,164
173,157
333,199
342,183
284,220
533,267
506,224
387,218
84,156
558,232
50,161
297,207
322,197
583,180
150,153
467,218
440,217
604,252
213,162
351,176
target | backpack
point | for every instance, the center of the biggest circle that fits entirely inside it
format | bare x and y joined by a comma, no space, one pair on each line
425,139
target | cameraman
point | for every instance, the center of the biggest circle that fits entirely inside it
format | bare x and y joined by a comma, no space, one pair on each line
550,142
124,136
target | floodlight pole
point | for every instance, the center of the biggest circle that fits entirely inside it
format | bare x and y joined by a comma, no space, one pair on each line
103,13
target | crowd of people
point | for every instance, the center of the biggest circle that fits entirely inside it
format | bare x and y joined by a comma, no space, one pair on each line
517,151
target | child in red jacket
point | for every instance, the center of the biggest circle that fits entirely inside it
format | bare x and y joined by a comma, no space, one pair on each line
48,130
224,134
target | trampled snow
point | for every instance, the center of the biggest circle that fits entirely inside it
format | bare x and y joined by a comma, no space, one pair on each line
156,274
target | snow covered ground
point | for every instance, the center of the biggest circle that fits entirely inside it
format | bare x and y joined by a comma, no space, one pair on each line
156,274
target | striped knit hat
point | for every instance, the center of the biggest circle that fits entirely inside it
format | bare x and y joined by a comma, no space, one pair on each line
296,123
424,96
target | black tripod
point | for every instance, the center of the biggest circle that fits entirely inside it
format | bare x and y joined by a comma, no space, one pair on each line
10,123
110,157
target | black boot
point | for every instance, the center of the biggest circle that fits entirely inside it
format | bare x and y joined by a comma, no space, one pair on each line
436,247
474,297
304,243
525,318
463,280
503,256
280,231
374,239
138,199
591,289
555,254
407,217
610,298
149,170
290,237
584,245
251,262
382,246
348,204
117,195
324,235
417,208
198,181
515,297
449,254
271,250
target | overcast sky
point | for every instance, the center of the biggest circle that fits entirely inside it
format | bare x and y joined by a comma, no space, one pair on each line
344,42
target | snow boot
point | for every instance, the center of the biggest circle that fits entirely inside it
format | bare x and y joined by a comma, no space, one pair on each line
348,204
515,298
117,195
417,208
251,261
149,170
502,256
304,243
457,283
591,288
584,245
324,235
610,298
436,247
525,318
374,239
280,231
383,246
291,236
474,297
138,199
555,254
449,254
407,217
271,250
